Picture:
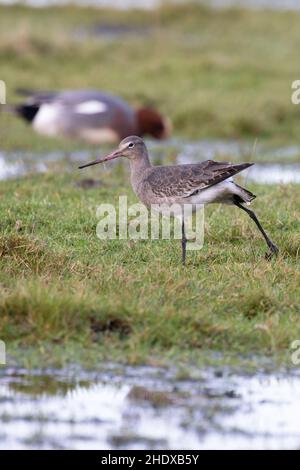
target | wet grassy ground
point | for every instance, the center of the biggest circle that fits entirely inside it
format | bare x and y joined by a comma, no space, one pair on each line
64,290
65,295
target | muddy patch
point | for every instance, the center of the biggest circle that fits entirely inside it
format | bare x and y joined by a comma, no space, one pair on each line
89,183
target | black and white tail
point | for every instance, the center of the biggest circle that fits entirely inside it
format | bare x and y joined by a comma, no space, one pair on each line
26,111
243,195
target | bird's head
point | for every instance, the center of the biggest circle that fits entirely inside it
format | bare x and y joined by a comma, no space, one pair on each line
151,122
132,147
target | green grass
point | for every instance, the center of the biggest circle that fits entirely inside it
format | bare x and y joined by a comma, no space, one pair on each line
64,290
224,74
64,294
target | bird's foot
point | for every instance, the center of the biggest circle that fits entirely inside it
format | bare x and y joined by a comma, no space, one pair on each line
273,251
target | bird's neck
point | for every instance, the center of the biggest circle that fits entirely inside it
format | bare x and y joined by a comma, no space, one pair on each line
138,167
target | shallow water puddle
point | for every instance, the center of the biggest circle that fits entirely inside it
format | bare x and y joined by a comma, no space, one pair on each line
271,168
148,408
120,4
150,4
112,32
16,164
273,173
280,5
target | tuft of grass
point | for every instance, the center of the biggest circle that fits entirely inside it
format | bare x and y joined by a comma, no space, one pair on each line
29,255
38,311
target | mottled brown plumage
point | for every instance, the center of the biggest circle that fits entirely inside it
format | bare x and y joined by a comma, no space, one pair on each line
185,180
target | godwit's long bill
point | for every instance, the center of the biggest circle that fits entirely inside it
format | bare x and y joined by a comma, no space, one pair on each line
200,183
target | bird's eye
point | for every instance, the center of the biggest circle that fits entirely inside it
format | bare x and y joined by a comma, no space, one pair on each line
131,145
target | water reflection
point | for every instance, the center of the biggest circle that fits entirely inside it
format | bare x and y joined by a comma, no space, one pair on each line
148,408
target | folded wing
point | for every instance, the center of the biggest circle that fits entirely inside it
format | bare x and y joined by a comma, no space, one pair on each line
185,180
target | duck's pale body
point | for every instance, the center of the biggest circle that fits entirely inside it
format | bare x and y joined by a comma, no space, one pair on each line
92,116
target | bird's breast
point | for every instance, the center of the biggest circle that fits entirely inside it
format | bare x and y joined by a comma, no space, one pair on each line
46,121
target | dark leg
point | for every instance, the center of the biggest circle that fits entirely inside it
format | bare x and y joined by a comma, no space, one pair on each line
273,248
183,243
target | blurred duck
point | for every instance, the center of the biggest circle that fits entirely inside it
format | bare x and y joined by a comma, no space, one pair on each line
89,115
